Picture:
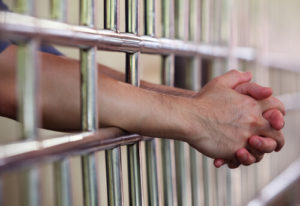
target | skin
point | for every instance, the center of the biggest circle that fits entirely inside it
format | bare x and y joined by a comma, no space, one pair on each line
217,121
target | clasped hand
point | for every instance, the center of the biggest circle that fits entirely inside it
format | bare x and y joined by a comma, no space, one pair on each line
241,120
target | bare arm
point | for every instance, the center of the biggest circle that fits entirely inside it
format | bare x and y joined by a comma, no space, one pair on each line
141,111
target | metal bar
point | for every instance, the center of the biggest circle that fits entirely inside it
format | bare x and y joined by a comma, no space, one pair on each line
62,183
58,10
27,84
151,160
83,37
114,183
113,156
168,65
150,17
134,175
111,15
132,16
88,76
280,185
132,77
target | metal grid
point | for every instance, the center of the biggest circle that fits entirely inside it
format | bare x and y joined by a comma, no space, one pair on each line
180,36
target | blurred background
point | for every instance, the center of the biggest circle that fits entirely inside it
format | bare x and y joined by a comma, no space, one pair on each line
271,27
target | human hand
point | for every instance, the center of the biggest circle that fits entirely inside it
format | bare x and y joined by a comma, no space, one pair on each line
231,118
257,145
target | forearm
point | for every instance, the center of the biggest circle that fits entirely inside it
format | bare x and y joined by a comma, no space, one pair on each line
121,105
147,85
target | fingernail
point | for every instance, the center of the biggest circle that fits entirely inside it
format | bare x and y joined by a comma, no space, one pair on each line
257,142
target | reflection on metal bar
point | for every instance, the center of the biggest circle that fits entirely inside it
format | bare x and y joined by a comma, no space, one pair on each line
111,14
150,17
88,76
58,10
62,183
151,160
114,186
63,192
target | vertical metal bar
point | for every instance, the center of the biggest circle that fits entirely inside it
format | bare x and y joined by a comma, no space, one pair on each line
88,75
62,183
63,192
151,159
58,10
168,65
132,77
150,17
113,156
27,85
111,14
114,184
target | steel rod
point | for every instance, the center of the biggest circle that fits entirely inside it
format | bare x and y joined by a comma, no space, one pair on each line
132,77
62,183
151,160
113,156
111,15
114,183
150,17
83,37
88,76
27,114
58,10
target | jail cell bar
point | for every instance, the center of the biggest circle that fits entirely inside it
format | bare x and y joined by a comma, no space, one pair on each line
132,77
167,75
62,178
113,156
89,114
27,73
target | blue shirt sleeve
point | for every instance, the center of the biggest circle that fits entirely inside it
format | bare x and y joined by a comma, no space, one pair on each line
44,47
3,43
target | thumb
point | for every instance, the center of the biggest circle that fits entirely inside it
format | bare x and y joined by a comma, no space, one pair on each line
233,78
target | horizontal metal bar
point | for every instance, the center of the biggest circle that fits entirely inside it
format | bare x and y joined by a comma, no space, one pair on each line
15,26
279,185
20,154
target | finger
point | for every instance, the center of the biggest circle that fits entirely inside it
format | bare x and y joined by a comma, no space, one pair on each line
275,118
245,157
256,154
275,135
254,90
272,103
232,164
262,144
219,162
233,78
